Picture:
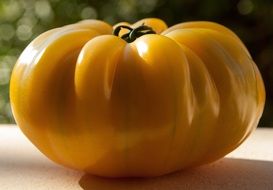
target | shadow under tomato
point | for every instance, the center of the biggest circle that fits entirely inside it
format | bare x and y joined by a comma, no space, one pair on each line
228,173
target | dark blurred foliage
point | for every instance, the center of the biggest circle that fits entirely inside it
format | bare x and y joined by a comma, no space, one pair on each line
22,20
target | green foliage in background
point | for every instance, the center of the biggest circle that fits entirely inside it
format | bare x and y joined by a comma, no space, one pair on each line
23,20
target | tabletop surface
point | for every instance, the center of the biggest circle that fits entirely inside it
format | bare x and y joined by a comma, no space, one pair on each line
23,167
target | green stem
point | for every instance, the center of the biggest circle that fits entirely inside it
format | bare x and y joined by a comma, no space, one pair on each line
133,33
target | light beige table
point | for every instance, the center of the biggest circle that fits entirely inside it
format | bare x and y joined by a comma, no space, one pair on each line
22,167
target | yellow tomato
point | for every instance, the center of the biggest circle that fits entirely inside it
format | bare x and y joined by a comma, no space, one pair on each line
146,101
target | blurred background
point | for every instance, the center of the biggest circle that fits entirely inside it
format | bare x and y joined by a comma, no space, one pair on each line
23,20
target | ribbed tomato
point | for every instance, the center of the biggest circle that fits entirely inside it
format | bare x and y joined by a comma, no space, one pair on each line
145,101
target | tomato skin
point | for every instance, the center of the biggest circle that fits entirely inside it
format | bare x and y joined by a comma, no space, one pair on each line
185,96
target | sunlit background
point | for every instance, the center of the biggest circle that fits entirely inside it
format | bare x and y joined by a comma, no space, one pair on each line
23,20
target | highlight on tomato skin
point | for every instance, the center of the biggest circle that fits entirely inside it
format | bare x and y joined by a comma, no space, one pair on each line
136,100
